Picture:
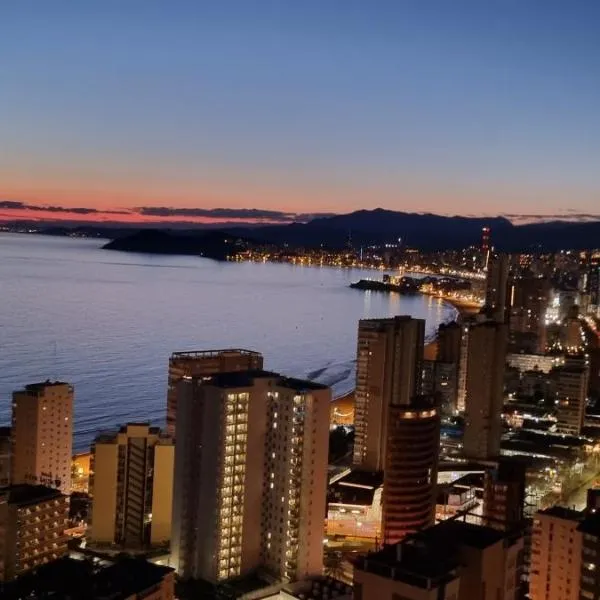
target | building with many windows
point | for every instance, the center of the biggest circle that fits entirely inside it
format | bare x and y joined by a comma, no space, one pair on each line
250,476
486,356
556,554
42,435
410,474
131,484
388,372
204,362
453,560
33,519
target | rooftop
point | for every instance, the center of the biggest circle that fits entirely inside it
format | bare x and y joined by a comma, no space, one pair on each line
194,354
23,495
69,579
415,564
431,555
240,379
42,385
357,487
562,512
454,531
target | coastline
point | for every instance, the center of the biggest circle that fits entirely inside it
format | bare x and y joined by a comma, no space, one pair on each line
342,406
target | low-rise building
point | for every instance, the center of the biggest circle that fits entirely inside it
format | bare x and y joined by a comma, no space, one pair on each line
125,579
453,560
354,505
33,519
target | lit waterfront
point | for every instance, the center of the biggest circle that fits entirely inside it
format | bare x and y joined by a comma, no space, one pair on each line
108,321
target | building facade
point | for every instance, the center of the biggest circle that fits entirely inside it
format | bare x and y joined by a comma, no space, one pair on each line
484,390
42,435
33,519
496,287
410,474
556,554
571,394
5,456
204,362
453,560
388,372
131,484
250,476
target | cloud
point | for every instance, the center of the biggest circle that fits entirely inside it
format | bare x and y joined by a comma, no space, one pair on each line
78,210
242,214
229,215
570,215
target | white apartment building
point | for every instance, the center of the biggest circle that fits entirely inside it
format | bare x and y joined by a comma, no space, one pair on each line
250,476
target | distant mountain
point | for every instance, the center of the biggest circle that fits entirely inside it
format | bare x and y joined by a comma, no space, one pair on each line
429,232
364,227
217,245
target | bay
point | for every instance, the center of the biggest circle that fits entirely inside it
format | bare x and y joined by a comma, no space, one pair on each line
107,322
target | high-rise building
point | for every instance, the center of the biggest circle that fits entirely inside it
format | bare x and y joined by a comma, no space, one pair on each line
496,287
556,555
453,560
33,519
5,456
504,494
484,390
448,342
388,373
410,474
589,529
529,298
42,435
440,380
571,394
250,476
131,483
204,362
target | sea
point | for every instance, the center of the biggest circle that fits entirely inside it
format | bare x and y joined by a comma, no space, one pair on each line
107,322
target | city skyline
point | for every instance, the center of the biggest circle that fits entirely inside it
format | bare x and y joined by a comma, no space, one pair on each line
451,109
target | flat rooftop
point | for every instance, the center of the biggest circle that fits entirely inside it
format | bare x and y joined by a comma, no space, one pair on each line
24,494
357,488
69,579
195,354
562,512
42,385
415,564
431,555
241,379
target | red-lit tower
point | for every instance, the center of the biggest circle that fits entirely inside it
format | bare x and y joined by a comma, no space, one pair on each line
485,240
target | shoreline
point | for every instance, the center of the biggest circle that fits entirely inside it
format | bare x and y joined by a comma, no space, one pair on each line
342,407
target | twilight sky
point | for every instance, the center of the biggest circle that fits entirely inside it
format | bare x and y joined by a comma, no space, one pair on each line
449,106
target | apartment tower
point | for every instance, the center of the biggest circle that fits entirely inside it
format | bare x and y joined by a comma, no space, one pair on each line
571,393
388,373
496,287
250,476
204,363
486,356
410,475
33,519
529,298
556,554
42,435
131,483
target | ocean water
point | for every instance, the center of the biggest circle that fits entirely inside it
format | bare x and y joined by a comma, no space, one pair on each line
108,321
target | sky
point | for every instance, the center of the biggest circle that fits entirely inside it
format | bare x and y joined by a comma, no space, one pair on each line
166,110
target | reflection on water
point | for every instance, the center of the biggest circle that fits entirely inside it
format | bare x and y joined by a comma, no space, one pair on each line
107,322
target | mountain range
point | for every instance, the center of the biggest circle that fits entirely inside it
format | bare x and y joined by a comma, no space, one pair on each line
427,232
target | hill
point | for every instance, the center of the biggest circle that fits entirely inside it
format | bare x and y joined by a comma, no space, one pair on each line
217,245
